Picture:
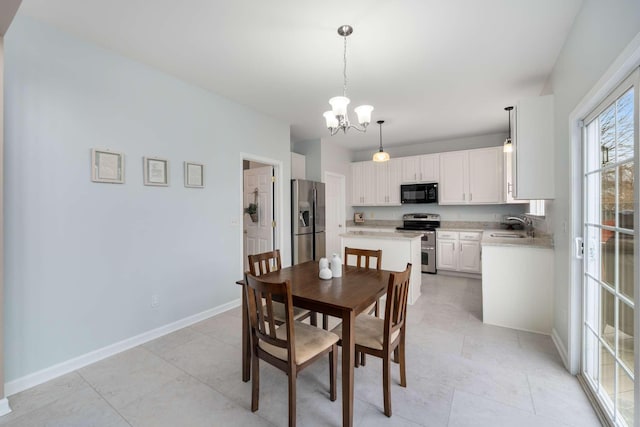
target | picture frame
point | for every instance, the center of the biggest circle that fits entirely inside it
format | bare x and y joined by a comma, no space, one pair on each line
107,166
193,175
156,171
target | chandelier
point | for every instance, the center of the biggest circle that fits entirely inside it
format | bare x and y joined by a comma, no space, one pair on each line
337,118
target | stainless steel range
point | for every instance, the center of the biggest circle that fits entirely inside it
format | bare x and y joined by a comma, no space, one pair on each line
427,223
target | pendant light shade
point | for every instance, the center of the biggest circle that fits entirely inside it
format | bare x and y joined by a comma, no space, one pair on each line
381,155
508,146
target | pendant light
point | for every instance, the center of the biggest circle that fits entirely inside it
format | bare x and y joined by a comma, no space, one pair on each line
508,146
381,155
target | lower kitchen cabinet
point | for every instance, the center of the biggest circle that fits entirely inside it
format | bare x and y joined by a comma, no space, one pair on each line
459,251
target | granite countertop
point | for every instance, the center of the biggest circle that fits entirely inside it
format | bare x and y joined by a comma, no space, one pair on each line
383,235
539,241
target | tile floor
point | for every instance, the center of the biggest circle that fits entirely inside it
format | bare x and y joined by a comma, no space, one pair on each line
460,373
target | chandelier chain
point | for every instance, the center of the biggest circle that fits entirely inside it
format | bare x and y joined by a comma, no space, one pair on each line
344,71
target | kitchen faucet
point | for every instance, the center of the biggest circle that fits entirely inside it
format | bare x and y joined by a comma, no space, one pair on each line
528,224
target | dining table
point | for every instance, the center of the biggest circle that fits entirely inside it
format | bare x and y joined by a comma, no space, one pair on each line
342,297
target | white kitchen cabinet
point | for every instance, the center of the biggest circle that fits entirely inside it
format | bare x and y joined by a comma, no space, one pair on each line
533,149
459,251
298,166
422,168
447,255
471,177
363,184
508,181
454,182
388,177
485,175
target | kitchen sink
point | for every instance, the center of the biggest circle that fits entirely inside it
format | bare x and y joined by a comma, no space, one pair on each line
508,235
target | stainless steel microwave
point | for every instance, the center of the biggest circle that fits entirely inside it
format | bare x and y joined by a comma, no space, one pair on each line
419,193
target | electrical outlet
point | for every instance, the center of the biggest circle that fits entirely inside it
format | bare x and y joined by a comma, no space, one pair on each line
155,301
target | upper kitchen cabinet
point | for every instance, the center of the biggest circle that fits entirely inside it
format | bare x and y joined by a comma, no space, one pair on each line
363,184
533,149
420,168
388,176
471,177
508,181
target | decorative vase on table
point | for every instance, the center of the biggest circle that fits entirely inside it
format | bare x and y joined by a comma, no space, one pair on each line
336,266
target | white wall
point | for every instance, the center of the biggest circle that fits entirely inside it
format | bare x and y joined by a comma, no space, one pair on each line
465,143
600,32
82,258
313,157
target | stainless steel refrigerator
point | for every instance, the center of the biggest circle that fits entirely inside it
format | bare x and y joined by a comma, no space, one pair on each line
308,241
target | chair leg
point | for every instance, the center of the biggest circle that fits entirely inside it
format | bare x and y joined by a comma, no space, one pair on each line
313,320
363,358
333,372
325,322
292,398
255,383
396,355
401,356
356,360
386,384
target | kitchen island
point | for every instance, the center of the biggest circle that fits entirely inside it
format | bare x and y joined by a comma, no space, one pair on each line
398,249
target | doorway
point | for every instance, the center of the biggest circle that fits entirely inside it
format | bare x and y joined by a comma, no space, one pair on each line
610,230
259,225
335,210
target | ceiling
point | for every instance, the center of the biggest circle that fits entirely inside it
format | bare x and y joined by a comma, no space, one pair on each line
432,69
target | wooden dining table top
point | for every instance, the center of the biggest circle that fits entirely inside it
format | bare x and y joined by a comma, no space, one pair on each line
356,290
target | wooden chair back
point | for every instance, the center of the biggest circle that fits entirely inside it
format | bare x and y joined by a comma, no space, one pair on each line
364,257
265,262
260,299
396,304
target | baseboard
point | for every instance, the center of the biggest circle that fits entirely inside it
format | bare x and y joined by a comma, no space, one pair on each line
564,355
459,274
47,374
4,407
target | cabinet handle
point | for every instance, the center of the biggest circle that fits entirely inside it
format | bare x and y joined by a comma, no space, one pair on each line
415,176
463,196
470,196
509,187
420,176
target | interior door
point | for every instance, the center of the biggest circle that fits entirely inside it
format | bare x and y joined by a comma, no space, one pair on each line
258,234
610,276
335,210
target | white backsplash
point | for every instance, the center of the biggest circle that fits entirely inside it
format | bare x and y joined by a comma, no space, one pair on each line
446,212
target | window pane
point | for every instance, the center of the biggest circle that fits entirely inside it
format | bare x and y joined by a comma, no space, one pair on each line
608,273
607,376
626,264
592,194
625,335
624,126
591,346
608,197
607,320
593,250
592,147
626,195
608,135
625,402
592,302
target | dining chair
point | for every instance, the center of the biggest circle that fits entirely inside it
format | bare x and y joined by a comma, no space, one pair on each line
381,337
267,262
363,259
290,347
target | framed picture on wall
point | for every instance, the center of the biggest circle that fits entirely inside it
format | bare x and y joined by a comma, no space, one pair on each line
193,175
156,171
107,166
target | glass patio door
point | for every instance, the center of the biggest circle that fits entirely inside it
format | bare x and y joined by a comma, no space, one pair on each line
610,282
